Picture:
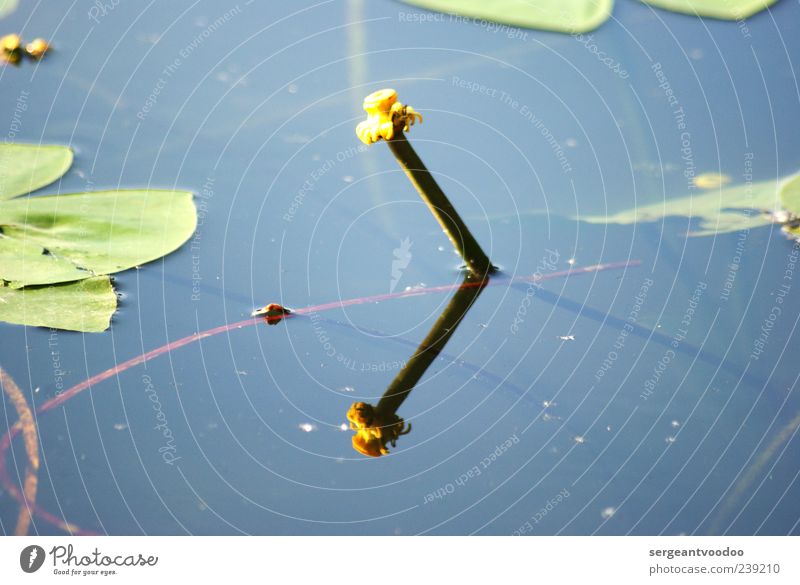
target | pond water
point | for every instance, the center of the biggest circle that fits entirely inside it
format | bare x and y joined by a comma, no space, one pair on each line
656,398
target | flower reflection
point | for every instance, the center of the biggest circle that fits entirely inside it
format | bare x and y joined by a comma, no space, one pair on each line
379,426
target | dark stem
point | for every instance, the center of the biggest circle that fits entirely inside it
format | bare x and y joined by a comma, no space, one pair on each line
429,348
477,261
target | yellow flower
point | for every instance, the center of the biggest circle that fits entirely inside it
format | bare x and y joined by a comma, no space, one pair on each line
384,115
37,48
10,43
374,429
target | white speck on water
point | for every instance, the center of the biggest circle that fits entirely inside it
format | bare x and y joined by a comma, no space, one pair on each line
120,426
414,287
348,178
440,248
151,38
675,424
571,142
608,512
579,439
343,427
307,427
670,439
608,428
566,337
571,261
292,88
347,389
296,139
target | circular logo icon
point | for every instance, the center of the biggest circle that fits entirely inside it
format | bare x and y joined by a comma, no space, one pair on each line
31,558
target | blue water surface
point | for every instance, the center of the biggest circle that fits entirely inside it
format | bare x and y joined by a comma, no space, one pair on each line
658,398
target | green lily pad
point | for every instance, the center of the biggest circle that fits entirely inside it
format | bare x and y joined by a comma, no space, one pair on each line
571,16
7,7
719,211
722,9
86,305
87,234
27,167
19,259
790,195
73,241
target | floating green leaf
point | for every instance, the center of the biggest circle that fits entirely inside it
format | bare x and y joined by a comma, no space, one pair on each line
571,16
27,167
722,9
719,211
87,234
790,195
61,239
7,7
20,260
86,305
576,16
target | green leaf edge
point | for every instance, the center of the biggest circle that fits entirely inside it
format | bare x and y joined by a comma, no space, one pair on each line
50,178
7,7
723,12
588,25
97,325
177,193
789,200
790,194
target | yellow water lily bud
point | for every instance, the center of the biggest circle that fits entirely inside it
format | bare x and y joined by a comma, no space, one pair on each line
384,114
367,444
10,43
37,48
375,429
